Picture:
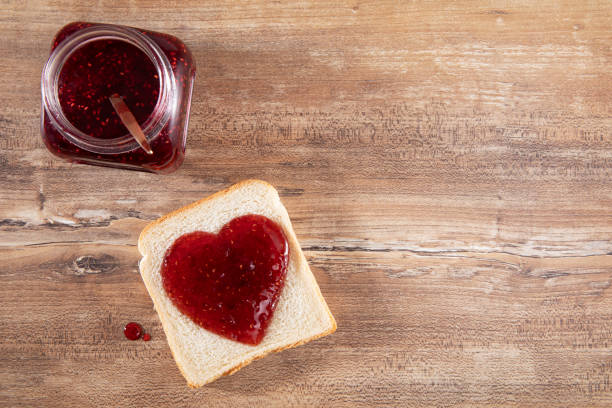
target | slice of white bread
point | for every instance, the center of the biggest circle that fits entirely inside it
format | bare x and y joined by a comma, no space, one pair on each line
301,314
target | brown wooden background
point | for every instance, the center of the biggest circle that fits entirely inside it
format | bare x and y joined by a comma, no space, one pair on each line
447,166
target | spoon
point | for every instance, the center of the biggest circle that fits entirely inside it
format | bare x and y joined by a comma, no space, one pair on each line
130,122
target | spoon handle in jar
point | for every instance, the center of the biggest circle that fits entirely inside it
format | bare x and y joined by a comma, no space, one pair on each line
130,122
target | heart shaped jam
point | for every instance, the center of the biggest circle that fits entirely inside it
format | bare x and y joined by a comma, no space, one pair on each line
229,283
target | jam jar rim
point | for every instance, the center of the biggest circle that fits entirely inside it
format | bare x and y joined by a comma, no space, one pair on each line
165,106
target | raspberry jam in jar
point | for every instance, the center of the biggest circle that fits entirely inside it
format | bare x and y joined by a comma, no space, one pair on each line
152,73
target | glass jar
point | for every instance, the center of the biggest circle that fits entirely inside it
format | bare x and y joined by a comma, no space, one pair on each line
152,72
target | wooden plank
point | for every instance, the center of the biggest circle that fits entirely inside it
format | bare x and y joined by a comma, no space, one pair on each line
447,168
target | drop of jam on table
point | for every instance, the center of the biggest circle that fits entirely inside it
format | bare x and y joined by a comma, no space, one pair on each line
152,73
132,331
230,282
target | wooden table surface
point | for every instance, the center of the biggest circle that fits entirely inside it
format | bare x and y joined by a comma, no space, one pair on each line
447,166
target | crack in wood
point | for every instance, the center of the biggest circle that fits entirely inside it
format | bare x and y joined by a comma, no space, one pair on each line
51,243
89,264
454,253
7,222
41,200
12,223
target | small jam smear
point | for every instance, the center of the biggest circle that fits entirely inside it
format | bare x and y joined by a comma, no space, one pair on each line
132,331
230,282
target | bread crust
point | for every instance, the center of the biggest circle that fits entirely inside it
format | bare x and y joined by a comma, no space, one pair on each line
260,356
156,296
218,194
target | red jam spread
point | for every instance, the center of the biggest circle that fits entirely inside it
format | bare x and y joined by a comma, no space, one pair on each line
96,71
132,331
100,67
230,282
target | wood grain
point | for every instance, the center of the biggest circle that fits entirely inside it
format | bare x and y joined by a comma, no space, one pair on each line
447,168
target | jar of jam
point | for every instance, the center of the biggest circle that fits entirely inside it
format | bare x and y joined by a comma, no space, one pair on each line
152,73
